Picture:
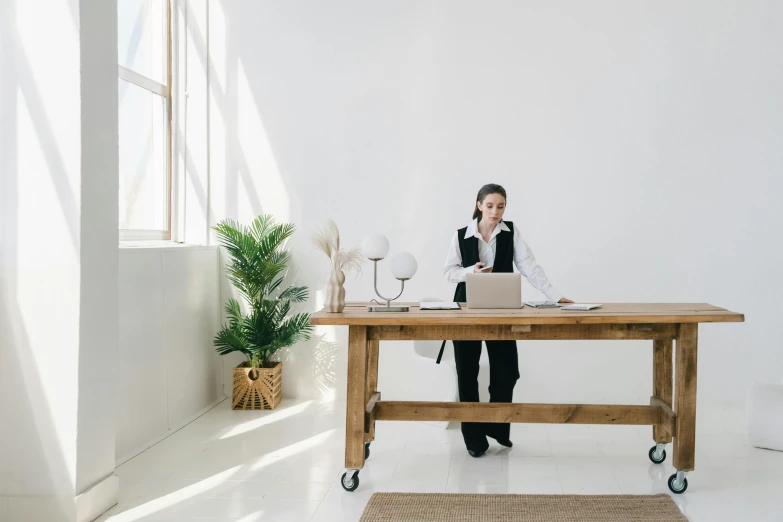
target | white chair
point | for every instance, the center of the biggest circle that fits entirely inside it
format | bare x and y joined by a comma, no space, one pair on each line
441,378
444,375
414,376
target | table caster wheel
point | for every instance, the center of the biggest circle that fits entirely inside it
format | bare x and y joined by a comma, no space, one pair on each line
676,486
366,450
655,456
350,483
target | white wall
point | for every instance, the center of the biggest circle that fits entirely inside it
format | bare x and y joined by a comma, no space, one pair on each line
168,371
58,259
98,235
35,379
661,121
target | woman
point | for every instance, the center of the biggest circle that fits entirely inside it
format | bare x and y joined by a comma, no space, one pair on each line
489,241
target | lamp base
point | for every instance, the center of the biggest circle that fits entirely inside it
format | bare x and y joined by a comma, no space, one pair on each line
384,308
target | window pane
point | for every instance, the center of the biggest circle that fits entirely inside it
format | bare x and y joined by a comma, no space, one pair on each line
141,35
143,168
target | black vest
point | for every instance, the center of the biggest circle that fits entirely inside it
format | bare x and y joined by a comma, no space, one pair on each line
504,255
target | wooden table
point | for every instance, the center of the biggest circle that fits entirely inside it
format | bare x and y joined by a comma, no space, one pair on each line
672,408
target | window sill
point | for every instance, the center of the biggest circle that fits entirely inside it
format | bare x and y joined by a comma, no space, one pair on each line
159,244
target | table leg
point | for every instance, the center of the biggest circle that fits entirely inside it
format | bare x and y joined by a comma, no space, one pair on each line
372,384
685,398
355,403
662,385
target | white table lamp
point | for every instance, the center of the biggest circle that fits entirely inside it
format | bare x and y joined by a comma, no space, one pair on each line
375,246
403,267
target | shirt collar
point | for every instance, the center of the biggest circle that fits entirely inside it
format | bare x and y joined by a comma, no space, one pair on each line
473,229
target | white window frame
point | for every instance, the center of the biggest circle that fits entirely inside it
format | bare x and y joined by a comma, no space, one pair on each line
160,89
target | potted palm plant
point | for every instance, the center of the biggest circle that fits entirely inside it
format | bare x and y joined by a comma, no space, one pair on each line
257,263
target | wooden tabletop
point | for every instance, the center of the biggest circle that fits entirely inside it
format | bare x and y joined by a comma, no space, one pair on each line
610,313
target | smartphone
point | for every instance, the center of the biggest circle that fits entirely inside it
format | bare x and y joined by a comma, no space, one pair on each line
485,268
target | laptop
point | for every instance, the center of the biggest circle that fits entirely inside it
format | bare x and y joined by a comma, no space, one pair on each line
494,290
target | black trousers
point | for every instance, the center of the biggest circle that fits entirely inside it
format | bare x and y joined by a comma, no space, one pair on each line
503,375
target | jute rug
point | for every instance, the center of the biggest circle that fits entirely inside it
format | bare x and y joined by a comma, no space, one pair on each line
438,507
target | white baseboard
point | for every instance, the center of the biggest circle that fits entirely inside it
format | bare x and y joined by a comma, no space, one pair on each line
125,458
61,508
98,499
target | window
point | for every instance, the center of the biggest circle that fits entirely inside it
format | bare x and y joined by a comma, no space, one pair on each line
144,94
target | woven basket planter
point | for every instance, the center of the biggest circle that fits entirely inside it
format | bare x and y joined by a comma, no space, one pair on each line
257,388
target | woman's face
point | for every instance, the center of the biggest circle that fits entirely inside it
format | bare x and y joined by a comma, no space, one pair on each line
492,208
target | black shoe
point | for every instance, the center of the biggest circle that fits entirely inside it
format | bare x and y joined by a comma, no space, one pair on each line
476,453
503,442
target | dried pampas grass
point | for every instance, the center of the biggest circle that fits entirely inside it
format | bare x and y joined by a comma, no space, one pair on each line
327,240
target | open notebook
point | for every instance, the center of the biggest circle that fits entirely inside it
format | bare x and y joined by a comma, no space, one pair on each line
542,304
433,305
581,306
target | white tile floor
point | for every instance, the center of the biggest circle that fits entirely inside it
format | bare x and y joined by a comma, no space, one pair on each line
285,465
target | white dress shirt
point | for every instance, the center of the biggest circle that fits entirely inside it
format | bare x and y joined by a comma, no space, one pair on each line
524,259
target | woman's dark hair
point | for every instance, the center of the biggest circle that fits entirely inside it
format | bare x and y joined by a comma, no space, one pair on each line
485,191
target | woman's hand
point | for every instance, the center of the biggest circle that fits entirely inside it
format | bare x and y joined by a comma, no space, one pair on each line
477,268
564,300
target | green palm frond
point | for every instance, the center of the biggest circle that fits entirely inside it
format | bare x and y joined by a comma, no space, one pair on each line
259,328
294,330
296,294
261,226
281,257
281,311
233,309
270,273
273,239
234,238
230,340
274,286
